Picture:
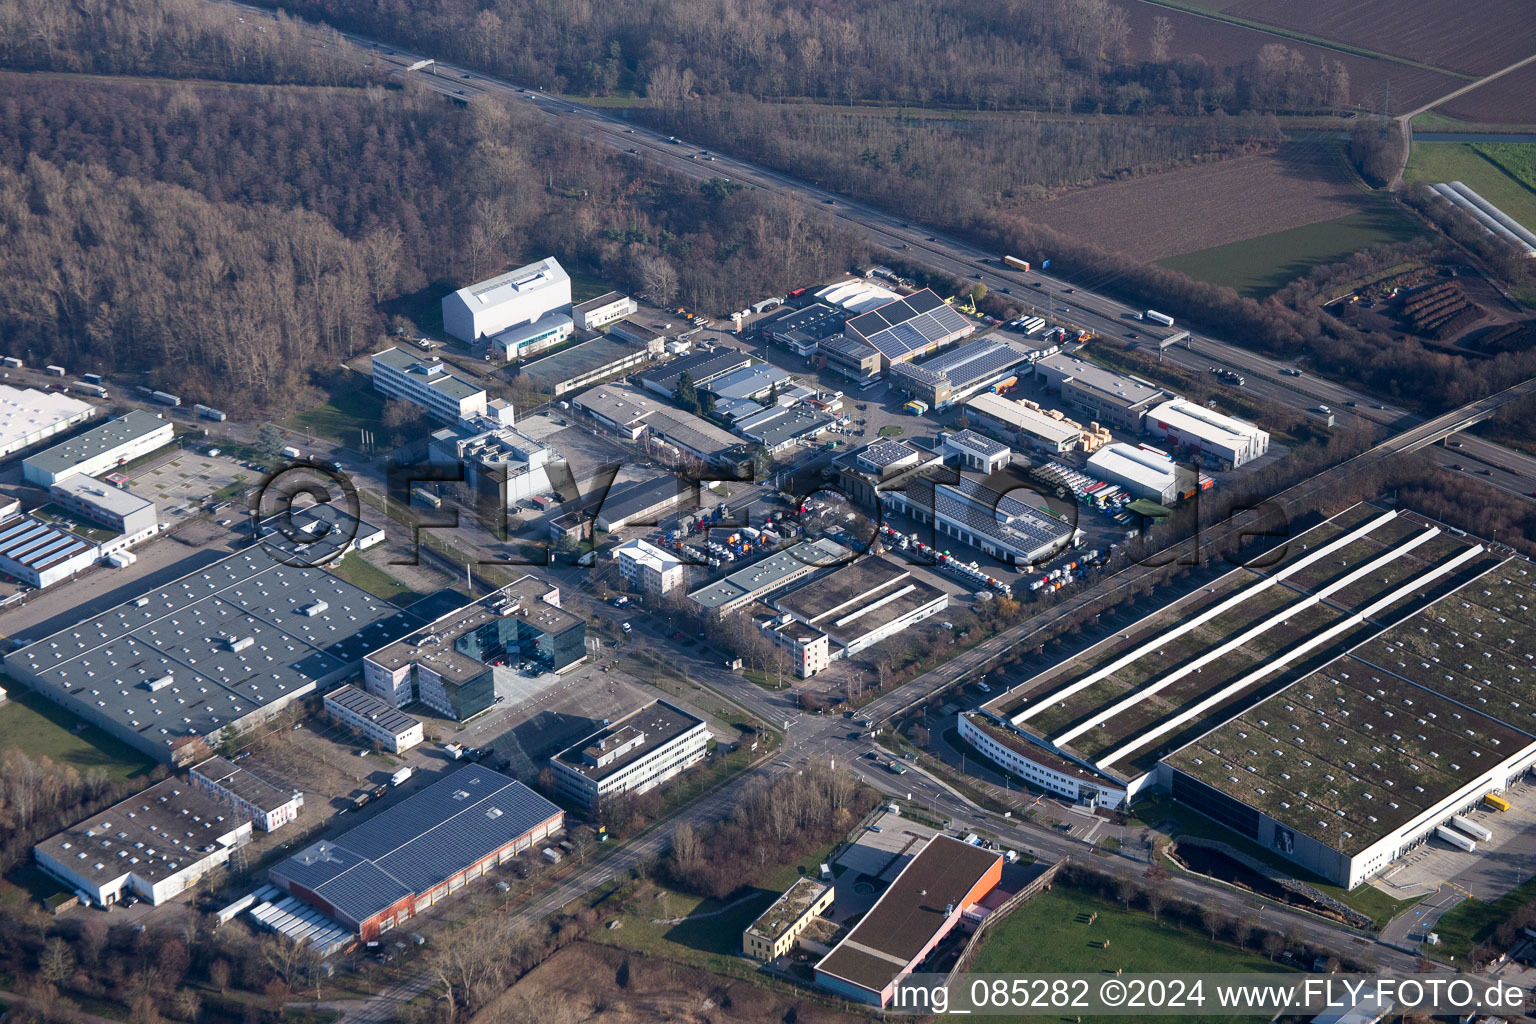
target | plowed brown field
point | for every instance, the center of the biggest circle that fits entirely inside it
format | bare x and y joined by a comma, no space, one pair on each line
1212,204
1220,42
1476,37
1507,100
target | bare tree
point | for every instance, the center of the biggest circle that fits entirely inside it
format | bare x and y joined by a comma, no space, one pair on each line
1162,37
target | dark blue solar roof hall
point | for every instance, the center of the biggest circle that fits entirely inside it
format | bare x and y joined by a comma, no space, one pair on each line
402,861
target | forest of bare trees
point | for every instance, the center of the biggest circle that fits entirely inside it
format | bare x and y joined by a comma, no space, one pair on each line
1054,55
773,823
236,238
177,38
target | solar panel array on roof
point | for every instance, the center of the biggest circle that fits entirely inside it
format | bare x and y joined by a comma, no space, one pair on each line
37,545
908,325
977,442
418,844
885,452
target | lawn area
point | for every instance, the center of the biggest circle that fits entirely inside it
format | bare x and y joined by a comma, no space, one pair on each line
1434,121
344,415
1050,934
1472,922
891,430
1259,266
713,943
40,728
1493,170
361,573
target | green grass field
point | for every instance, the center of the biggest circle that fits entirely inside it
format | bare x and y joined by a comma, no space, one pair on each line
40,728
1050,934
1473,921
346,413
1494,170
361,573
1435,121
1259,266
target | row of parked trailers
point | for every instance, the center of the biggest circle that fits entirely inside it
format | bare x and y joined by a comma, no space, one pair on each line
968,572
1464,833
1088,491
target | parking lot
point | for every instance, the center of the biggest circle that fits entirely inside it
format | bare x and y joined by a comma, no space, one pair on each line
182,483
1495,868
881,854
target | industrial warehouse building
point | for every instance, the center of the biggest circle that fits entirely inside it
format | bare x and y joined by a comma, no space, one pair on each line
374,718
759,579
1145,473
603,310
223,648
427,383
861,604
28,416
701,367
856,295
400,862
782,426
1337,705
503,462
631,413
453,664
975,514
635,754
802,330
957,374
642,502
1027,425
113,507
776,929
519,296
1226,442
908,328
263,804
153,845
100,449
1099,393
42,553
582,365
648,567
944,883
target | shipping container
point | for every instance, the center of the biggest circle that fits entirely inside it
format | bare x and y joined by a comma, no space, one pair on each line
165,398
94,390
401,775
1456,839
1158,318
1016,263
1472,828
12,362
54,371
91,378
1497,802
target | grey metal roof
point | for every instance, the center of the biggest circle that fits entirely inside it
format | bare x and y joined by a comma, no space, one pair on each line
442,381
702,367
247,786
419,843
375,709
605,299
182,630
976,442
101,495
581,360
630,500
660,721
94,442
779,424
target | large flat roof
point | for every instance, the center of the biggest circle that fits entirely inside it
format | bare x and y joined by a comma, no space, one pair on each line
580,360
904,919
377,710
186,638
251,788
152,834
702,367
1207,424
110,435
1109,386
431,372
772,572
1153,687
857,599
37,545
419,843
1132,463
535,277
605,299
102,495
25,411
964,365
1021,417
653,726
912,324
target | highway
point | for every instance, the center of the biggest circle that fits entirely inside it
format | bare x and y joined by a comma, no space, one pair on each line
1083,307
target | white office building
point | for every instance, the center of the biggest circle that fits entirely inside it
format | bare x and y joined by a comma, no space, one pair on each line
375,718
603,310
99,450
267,806
649,567
637,753
155,845
428,384
520,296
526,340
28,416
1225,441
